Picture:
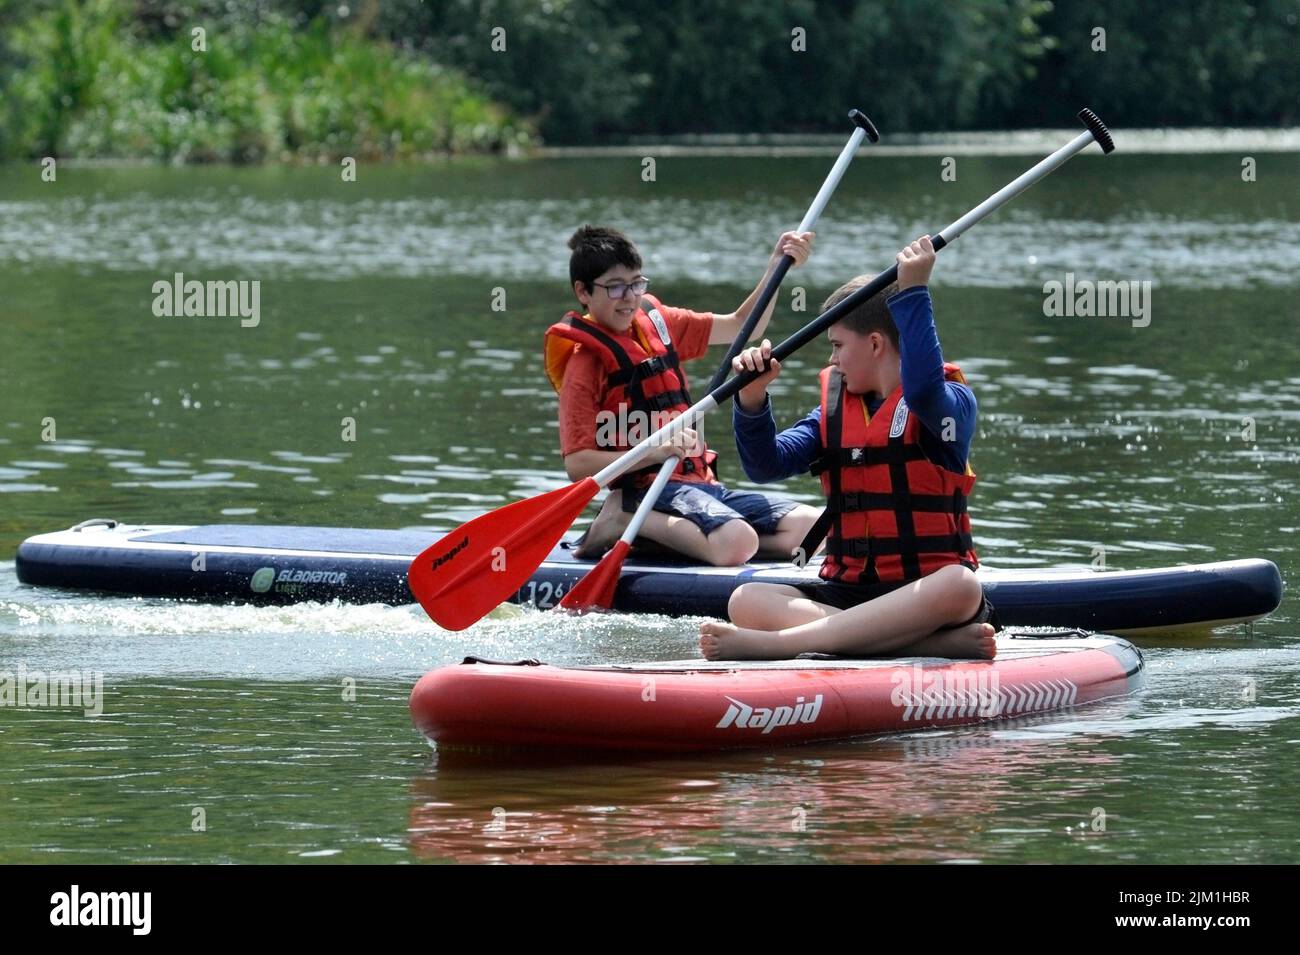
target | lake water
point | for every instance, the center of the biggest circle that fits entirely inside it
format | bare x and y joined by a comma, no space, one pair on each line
285,730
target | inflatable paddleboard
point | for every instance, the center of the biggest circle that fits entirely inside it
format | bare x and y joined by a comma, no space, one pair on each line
692,705
280,564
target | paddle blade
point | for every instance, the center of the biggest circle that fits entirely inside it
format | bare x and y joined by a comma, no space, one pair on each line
482,563
596,590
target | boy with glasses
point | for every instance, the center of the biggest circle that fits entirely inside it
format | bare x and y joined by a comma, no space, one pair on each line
618,373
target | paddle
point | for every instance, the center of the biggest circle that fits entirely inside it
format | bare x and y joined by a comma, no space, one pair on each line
596,589
475,567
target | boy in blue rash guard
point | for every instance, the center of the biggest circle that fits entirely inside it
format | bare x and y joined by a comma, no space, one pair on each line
890,440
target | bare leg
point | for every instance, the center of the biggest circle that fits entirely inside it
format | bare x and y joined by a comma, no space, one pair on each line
879,626
773,607
733,543
790,532
778,606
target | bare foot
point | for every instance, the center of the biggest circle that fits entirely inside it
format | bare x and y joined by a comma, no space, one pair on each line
725,641
975,641
590,549
603,533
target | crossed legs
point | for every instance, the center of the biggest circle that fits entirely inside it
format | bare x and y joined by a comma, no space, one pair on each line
925,618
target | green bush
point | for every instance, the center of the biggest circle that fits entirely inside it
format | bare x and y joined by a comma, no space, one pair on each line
86,84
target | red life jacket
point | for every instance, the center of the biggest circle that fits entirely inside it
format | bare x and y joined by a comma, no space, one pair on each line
892,513
649,381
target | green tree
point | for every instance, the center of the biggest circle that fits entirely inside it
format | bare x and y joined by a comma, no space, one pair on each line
1197,63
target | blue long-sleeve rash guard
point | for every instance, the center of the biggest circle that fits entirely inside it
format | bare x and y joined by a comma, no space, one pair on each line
768,456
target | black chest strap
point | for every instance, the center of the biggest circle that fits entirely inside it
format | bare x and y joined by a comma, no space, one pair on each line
632,375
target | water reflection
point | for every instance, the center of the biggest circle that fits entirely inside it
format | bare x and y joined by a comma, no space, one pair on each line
921,798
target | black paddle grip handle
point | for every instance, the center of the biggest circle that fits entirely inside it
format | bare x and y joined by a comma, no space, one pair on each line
1098,130
860,119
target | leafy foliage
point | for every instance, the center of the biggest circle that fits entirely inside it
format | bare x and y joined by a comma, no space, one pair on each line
89,82
313,79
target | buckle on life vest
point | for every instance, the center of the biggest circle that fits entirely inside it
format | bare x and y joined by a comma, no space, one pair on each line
649,368
666,400
654,366
837,458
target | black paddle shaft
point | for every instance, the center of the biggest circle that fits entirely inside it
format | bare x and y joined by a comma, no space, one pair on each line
765,296
814,328
1097,132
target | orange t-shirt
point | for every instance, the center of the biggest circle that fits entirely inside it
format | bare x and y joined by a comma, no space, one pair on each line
583,393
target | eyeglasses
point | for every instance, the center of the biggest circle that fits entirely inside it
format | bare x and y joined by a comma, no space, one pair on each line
620,289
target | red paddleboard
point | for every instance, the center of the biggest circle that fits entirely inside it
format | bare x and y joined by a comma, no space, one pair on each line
680,706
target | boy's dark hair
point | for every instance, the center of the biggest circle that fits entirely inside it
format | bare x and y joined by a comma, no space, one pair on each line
872,315
596,250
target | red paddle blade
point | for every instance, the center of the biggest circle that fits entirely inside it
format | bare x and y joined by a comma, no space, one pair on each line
596,590
482,563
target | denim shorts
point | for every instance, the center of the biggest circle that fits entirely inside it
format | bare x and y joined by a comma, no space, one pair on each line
709,506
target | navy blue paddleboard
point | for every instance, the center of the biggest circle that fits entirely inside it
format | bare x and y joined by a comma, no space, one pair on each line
269,564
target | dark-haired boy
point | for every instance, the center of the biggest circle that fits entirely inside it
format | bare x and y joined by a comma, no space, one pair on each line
617,369
890,441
